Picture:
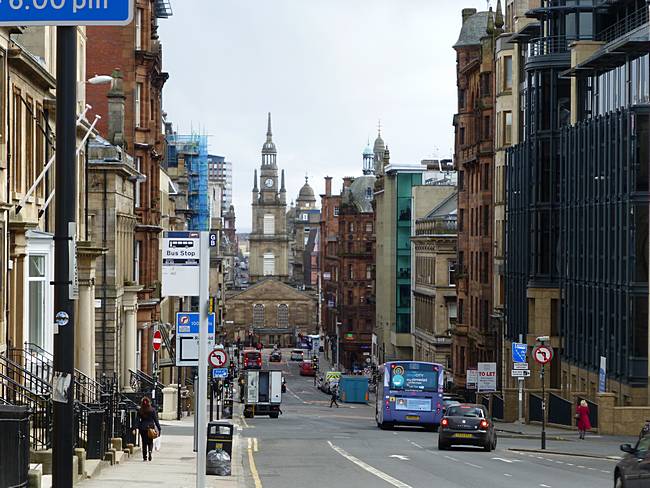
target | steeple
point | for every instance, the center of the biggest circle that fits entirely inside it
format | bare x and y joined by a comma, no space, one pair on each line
269,151
368,160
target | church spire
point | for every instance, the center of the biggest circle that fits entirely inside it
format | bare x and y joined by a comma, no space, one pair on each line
269,152
269,133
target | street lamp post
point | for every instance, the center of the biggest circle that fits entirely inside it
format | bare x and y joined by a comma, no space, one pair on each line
338,346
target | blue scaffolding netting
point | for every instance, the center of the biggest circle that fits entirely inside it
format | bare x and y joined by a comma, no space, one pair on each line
193,149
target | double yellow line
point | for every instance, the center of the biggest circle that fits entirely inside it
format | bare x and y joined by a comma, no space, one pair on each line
252,447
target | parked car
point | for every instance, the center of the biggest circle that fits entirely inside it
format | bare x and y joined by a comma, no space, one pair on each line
307,368
252,360
631,471
467,424
297,355
275,357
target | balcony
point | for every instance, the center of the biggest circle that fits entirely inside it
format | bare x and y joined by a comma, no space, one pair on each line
547,50
624,26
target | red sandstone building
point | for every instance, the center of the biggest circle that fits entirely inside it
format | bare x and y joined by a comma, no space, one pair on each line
474,337
136,51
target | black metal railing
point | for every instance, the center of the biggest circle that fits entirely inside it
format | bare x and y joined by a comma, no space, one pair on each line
497,407
627,24
535,411
143,384
544,46
560,410
19,386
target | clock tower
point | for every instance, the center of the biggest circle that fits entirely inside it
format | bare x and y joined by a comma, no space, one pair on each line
269,240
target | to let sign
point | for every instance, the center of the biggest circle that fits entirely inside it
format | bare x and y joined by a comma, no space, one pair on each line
487,376
66,12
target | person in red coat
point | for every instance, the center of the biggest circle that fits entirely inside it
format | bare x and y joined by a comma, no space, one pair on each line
582,414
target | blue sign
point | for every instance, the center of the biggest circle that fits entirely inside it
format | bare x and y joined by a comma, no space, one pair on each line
188,323
519,352
602,375
220,373
66,12
213,239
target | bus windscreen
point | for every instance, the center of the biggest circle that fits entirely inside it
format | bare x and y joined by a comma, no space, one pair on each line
414,377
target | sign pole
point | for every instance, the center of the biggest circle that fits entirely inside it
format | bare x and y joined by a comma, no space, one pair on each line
543,410
520,381
66,194
201,410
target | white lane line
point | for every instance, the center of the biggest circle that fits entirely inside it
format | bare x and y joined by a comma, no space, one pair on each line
570,464
508,475
379,474
474,465
250,442
544,486
604,471
559,462
451,458
417,445
255,444
295,396
581,467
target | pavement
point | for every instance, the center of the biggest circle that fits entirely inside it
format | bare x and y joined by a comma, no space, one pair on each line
315,446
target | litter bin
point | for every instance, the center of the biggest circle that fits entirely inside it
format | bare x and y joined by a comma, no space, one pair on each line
14,445
220,436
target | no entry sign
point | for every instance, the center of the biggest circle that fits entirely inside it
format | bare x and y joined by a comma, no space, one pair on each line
157,341
543,354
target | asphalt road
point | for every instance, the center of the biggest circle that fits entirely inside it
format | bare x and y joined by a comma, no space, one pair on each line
312,445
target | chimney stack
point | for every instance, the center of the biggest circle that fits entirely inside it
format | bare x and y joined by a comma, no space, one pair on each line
347,181
328,186
467,13
116,103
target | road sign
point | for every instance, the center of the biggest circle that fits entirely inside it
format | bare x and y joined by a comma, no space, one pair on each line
220,373
187,337
520,373
487,376
602,375
213,239
520,365
66,12
157,341
472,379
519,352
543,354
218,358
180,264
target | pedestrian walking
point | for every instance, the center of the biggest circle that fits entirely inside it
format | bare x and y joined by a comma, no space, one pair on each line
335,395
148,427
582,416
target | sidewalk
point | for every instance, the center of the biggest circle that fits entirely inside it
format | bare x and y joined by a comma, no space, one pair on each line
174,466
565,442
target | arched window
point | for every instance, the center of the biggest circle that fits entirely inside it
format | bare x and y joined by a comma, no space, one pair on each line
283,315
269,224
258,315
269,264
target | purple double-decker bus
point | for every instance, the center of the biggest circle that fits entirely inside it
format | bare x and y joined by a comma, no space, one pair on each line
409,393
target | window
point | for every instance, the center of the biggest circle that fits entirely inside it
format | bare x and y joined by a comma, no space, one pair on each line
3,77
368,272
37,277
485,177
336,211
138,105
507,128
136,196
461,135
17,142
507,72
138,28
29,144
269,264
258,315
451,271
39,152
269,224
368,193
487,129
368,247
368,226
452,314
461,99
351,226
283,315
350,272
136,261
461,220
304,216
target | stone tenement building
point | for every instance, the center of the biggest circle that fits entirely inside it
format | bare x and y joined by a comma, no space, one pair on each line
303,221
356,237
269,239
136,50
475,337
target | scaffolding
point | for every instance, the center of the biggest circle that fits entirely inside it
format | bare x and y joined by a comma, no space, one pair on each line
193,150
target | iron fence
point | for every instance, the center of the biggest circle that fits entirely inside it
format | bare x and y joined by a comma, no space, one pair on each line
560,410
535,411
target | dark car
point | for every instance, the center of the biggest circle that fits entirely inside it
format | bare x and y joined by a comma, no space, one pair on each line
633,471
276,357
467,425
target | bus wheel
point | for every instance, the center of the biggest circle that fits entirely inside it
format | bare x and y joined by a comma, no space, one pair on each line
386,426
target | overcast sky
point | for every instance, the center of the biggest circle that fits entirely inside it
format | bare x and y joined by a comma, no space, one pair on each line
327,70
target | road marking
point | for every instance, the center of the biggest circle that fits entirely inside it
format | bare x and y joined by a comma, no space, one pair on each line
295,396
502,459
451,458
399,456
474,465
417,445
508,475
253,468
544,486
581,467
255,444
379,474
570,464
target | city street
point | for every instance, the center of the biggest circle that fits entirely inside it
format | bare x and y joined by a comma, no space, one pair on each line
318,446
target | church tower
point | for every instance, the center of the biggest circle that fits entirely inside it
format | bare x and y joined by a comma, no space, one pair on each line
269,240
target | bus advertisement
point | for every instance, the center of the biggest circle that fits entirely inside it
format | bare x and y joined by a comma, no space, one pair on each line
409,393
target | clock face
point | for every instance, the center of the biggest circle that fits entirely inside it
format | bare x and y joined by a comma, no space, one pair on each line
268,182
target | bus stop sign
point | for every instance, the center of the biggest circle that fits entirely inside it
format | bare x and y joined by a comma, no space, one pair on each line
66,12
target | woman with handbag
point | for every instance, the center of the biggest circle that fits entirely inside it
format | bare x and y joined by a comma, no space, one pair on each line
148,426
582,417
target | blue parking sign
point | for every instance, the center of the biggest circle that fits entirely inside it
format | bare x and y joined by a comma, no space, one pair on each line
519,352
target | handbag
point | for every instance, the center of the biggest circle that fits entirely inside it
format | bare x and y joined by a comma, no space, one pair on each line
152,433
